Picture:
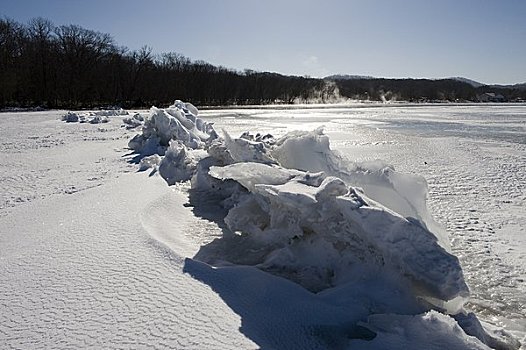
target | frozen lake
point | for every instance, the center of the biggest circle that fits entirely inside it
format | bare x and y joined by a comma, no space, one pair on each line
78,271
474,160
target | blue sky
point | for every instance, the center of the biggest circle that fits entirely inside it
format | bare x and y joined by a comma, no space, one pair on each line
478,39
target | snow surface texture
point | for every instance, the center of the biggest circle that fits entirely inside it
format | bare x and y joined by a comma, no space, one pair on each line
297,210
78,268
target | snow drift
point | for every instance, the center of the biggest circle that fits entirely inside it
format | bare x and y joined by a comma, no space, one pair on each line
297,210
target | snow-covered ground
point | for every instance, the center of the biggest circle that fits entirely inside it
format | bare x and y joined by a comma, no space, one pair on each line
84,238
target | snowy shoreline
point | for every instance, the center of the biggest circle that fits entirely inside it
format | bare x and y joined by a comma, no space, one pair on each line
307,320
351,103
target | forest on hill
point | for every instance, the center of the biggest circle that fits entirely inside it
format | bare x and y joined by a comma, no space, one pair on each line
68,66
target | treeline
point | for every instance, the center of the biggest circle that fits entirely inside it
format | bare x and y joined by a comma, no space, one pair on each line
72,67
68,66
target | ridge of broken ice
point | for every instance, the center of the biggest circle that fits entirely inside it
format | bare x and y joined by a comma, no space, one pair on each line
93,117
298,210
336,227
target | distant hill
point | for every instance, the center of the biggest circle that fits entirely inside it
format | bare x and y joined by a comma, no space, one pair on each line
473,83
476,84
515,86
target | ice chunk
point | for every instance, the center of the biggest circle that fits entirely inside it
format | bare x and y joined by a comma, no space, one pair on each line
71,117
249,174
96,117
245,150
179,163
134,121
149,162
331,187
178,122
307,151
191,108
